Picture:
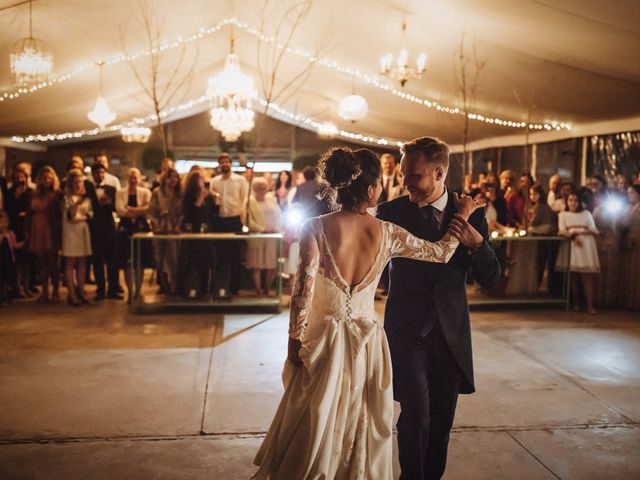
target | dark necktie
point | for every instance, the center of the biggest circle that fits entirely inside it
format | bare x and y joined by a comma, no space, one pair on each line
430,225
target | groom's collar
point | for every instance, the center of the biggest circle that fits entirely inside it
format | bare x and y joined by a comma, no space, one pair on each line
440,204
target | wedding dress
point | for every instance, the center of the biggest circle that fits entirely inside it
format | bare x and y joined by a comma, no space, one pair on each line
335,418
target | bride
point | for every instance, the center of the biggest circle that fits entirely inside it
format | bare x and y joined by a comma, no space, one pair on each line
335,418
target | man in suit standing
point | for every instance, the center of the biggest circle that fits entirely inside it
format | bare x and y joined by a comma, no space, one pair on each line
426,316
391,186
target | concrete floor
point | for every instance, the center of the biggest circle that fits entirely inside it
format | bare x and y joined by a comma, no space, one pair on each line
98,393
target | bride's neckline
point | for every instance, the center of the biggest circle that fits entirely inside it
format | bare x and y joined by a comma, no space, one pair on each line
351,287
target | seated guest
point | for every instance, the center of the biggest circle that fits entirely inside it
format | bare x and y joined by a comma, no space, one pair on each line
104,237
76,238
8,247
264,217
18,202
132,205
199,213
583,263
166,216
45,231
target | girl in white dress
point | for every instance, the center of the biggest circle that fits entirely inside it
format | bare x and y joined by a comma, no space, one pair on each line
577,223
335,418
76,238
264,217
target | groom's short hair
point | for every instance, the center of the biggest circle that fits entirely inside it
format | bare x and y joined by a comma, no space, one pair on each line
432,149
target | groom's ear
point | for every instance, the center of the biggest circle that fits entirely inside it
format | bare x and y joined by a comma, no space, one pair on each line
439,173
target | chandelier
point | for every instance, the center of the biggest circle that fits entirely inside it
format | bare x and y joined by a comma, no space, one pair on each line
135,134
231,93
31,61
403,71
101,115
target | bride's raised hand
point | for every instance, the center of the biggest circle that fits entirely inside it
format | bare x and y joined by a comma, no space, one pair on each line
466,205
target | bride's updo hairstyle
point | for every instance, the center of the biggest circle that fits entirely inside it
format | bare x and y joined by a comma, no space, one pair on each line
349,174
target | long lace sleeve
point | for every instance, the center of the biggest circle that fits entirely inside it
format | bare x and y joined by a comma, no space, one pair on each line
406,245
304,283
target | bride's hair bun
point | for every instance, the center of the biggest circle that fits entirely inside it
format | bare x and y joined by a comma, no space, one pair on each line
349,174
339,167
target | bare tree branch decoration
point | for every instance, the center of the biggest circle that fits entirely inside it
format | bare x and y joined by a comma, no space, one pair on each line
467,70
162,79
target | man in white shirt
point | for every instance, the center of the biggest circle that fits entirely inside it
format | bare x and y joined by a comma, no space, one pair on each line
231,190
109,179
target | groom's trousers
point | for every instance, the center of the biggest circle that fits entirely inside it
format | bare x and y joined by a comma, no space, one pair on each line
426,381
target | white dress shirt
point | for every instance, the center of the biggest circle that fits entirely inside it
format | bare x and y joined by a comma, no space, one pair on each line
109,180
233,194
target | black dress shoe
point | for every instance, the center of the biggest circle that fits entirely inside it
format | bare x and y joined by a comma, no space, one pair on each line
115,296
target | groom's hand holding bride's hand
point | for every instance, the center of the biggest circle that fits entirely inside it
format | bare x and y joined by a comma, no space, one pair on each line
460,228
292,351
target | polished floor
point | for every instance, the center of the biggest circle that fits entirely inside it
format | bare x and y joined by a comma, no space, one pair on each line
98,393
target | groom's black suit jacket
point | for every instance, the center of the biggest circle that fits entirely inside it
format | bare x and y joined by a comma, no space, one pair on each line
423,294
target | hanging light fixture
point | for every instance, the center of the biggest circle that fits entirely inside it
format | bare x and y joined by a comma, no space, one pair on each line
353,107
403,71
101,115
31,61
231,93
135,134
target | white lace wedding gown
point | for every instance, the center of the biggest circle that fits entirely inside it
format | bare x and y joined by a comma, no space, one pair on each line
335,418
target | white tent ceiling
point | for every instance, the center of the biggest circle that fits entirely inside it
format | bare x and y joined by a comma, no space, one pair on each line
575,60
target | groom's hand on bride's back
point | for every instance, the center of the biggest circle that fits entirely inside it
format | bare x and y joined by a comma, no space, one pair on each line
461,229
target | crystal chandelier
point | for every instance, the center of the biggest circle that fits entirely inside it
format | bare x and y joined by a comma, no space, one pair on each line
101,115
231,93
403,71
135,134
31,61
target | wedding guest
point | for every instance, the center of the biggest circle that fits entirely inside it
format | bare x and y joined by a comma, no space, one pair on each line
507,184
104,237
28,169
299,180
560,203
18,202
45,231
8,246
283,186
555,182
232,190
166,215
132,205
391,186
76,238
109,179
3,192
577,223
307,195
262,255
630,279
199,216
518,202
607,284
542,221
622,184
596,192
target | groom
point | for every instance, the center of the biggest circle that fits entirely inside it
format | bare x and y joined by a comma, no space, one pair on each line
426,316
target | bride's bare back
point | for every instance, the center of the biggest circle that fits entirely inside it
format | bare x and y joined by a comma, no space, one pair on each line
354,241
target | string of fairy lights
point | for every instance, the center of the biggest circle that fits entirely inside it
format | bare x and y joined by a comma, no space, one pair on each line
297,51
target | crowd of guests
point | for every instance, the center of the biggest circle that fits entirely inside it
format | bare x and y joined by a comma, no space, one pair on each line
64,231
56,231
602,221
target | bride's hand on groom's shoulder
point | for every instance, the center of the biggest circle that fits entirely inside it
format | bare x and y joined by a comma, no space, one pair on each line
465,205
293,349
